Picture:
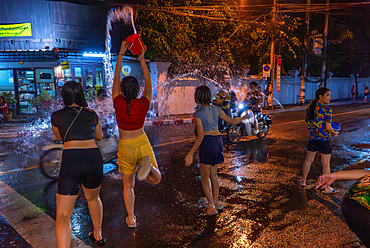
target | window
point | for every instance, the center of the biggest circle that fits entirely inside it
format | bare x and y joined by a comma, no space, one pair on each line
68,75
78,74
89,76
99,75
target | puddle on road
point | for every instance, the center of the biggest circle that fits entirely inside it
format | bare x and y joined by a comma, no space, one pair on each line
361,146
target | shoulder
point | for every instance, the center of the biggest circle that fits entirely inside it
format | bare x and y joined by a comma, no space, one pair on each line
118,98
327,109
89,110
215,108
144,99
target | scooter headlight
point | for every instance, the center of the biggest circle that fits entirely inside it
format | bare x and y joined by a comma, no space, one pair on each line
240,106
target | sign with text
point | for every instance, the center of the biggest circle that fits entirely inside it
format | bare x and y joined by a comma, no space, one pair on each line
65,65
278,71
15,30
266,70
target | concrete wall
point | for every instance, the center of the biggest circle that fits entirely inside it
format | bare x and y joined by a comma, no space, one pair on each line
177,96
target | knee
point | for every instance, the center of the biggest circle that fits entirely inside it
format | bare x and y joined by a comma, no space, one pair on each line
156,180
309,161
92,198
64,215
128,186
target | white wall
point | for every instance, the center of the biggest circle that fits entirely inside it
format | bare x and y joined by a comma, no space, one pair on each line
177,96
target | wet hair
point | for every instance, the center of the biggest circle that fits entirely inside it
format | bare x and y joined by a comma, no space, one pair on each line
310,110
73,92
130,89
203,95
253,83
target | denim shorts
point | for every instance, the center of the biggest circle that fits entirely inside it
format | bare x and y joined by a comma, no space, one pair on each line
211,150
324,147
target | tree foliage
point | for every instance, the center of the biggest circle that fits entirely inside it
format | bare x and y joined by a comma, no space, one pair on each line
213,47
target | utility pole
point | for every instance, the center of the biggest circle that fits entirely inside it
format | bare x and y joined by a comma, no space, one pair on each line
272,52
304,58
324,48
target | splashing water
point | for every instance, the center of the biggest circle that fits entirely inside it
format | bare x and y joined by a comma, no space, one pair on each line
125,14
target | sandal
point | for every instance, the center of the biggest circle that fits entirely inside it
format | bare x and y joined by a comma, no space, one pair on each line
333,191
301,184
131,225
213,212
99,243
219,207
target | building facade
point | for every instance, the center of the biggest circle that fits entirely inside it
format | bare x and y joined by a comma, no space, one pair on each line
37,37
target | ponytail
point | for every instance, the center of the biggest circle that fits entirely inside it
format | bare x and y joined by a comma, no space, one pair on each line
130,89
310,111
128,106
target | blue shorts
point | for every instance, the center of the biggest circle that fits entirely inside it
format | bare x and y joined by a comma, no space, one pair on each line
211,150
324,147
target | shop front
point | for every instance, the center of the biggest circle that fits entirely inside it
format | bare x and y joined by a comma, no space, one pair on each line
31,82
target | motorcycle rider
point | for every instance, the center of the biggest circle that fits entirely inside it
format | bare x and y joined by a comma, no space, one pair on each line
253,103
223,102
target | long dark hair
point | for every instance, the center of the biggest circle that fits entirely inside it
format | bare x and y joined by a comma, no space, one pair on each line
310,110
130,89
203,95
73,92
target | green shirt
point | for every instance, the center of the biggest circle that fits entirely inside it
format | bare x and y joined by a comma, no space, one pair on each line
360,191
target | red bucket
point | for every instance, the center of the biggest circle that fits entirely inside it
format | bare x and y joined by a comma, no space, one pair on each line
135,44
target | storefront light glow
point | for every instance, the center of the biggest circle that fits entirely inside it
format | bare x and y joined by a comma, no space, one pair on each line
94,55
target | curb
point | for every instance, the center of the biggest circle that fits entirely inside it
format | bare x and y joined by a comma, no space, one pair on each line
157,123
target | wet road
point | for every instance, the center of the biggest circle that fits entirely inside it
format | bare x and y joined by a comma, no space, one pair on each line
263,205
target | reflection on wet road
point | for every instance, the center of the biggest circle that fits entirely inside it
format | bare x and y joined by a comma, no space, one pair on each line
264,207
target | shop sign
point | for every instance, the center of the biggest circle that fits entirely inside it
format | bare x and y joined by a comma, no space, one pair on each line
278,72
65,65
15,30
60,82
126,70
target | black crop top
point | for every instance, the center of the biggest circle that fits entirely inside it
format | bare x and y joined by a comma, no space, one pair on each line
82,129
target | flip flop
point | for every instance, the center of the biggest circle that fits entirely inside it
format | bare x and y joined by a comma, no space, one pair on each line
131,225
219,207
99,243
333,191
211,212
300,183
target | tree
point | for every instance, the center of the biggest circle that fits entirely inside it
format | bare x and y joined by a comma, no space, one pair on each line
211,41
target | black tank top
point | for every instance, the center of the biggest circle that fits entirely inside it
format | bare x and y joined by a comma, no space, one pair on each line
82,129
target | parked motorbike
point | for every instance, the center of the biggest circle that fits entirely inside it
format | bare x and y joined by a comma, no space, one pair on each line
51,159
235,132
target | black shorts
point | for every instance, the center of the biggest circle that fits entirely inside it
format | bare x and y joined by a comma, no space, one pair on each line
211,150
80,167
324,147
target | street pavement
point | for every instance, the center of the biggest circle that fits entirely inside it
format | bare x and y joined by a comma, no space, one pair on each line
263,205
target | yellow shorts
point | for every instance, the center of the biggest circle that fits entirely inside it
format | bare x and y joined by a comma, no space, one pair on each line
131,152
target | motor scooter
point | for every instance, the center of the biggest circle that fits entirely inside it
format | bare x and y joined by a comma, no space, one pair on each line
246,127
51,159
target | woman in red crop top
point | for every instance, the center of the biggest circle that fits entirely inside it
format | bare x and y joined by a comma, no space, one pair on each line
134,147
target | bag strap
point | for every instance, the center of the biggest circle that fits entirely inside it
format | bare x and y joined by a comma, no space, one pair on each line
65,135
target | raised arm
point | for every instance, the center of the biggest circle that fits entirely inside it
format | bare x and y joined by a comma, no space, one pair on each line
148,80
117,72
